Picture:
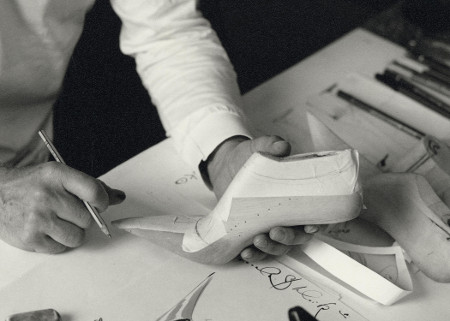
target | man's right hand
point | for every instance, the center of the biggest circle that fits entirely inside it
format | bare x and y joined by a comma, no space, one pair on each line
41,208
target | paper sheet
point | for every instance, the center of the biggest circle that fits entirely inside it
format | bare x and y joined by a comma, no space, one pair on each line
144,294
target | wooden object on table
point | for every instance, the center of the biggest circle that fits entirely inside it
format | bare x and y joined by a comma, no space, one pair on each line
406,207
431,159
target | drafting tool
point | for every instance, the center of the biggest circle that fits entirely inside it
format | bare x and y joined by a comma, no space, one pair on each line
380,114
436,67
418,78
406,83
400,84
425,69
184,309
92,210
396,105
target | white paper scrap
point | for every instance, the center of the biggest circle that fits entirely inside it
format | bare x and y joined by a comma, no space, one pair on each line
387,285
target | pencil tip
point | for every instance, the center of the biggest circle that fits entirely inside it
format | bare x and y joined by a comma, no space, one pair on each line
106,231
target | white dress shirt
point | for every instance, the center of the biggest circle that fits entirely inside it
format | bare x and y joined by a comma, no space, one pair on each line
179,59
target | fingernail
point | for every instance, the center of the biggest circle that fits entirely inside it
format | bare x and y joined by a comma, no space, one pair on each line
278,234
261,243
311,229
121,195
281,144
246,255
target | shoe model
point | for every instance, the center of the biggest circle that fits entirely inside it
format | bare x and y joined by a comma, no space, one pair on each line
304,189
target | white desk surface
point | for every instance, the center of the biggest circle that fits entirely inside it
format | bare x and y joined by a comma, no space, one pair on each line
128,278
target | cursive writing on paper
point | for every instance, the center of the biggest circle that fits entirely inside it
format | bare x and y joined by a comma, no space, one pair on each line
186,178
312,298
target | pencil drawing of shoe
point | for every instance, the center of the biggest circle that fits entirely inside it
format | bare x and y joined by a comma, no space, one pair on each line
313,188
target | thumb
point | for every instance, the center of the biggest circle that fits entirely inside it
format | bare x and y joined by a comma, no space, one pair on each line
273,145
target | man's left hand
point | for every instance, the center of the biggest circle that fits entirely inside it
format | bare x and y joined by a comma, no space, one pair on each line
224,164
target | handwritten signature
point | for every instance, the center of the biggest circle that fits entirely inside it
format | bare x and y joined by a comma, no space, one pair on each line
281,282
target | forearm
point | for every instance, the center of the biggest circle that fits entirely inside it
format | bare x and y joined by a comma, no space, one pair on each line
187,72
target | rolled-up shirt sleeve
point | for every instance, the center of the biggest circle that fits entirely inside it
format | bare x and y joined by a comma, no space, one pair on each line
186,70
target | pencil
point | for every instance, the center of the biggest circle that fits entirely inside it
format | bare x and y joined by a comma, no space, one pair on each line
419,78
402,85
94,213
381,115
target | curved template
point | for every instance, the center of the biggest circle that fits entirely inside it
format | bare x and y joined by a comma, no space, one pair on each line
387,290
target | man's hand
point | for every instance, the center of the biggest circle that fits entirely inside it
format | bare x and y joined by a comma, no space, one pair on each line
41,208
223,165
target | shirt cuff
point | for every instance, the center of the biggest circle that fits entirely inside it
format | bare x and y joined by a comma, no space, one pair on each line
209,133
